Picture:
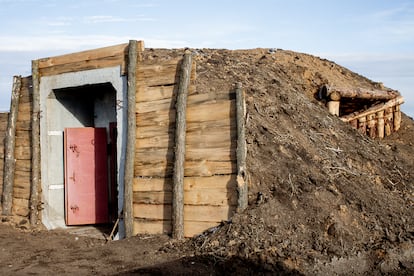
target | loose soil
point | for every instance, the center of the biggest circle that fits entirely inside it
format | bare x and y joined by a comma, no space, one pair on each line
323,199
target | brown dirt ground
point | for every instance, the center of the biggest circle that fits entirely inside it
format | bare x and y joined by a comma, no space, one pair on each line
323,199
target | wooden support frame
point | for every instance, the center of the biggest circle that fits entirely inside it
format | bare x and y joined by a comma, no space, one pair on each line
9,159
35,140
242,186
130,143
179,155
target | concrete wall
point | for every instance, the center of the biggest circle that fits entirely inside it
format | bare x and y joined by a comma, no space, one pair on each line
60,108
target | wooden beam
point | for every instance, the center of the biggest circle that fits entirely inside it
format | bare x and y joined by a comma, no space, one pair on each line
131,136
241,149
9,161
35,144
357,92
179,157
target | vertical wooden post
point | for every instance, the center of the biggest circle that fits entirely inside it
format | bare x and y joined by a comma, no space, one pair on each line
130,142
242,189
35,139
388,118
9,160
362,125
397,117
371,126
380,126
179,155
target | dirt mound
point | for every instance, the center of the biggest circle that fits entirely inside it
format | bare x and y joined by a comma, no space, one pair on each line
323,198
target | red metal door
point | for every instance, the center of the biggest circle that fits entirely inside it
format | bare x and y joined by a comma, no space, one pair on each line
86,176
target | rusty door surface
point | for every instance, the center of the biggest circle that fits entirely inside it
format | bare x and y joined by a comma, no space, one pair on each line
86,176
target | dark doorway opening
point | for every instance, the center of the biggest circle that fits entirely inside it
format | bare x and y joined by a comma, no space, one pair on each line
94,106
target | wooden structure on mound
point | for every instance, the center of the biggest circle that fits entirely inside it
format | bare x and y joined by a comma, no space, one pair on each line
176,165
376,113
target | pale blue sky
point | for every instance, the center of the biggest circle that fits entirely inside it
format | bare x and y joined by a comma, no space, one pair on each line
374,38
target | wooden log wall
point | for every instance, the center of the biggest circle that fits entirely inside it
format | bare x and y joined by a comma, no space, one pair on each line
378,121
210,194
22,153
4,117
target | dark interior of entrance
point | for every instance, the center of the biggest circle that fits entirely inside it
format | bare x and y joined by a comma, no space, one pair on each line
94,106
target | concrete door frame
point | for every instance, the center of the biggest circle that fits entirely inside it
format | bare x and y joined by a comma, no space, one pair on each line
51,137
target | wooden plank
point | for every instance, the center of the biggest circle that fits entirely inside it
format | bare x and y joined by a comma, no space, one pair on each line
23,125
213,197
23,165
209,168
22,179
23,152
148,184
151,155
154,130
142,184
227,153
191,212
154,227
156,93
23,141
158,74
163,104
201,113
161,169
158,118
83,66
166,127
204,140
84,56
10,161
19,192
168,102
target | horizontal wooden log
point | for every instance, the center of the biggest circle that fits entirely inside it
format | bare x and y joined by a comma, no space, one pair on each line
22,193
158,74
22,152
154,130
156,93
212,197
191,212
167,101
156,118
360,93
201,113
192,168
84,56
23,165
191,228
142,184
374,109
209,168
214,139
84,65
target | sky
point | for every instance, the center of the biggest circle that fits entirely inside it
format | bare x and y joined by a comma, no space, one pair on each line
374,38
